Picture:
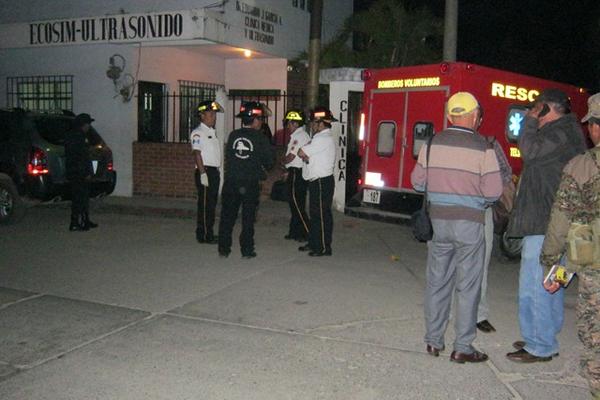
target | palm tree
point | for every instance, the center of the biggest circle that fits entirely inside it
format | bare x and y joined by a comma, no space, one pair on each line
389,34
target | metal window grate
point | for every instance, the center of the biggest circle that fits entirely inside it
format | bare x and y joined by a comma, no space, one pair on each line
190,94
40,93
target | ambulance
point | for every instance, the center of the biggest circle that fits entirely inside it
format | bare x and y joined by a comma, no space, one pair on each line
402,107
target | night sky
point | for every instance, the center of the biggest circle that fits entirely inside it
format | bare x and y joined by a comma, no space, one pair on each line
553,39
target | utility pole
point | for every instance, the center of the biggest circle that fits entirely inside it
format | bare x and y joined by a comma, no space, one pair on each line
450,30
314,49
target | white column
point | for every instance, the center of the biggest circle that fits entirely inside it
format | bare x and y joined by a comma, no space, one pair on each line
338,103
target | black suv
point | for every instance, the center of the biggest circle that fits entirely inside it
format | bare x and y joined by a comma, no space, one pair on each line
32,160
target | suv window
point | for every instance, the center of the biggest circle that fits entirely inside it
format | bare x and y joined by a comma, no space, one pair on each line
93,137
53,129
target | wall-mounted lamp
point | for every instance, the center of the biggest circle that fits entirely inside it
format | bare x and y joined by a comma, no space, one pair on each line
123,82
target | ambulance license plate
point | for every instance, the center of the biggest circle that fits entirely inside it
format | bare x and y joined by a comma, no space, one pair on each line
371,196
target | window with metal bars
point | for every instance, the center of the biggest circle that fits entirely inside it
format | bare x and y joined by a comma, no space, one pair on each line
191,94
40,93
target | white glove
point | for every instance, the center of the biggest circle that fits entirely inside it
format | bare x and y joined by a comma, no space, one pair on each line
204,179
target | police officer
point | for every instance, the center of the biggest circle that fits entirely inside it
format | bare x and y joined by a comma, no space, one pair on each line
297,185
247,155
79,173
319,158
206,149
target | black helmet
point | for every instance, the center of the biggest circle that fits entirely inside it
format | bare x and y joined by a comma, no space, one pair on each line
253,109
210,105
322,114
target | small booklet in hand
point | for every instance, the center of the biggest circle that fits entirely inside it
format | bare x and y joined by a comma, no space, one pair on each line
559,274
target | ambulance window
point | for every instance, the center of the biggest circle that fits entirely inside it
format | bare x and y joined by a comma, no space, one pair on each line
421,133
514,122
386,137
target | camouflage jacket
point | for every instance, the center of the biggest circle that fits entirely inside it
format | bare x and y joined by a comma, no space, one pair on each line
577,201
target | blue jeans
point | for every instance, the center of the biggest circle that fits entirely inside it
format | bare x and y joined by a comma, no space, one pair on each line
540,313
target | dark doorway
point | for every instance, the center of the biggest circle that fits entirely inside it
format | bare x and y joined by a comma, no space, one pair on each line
353,160
151,112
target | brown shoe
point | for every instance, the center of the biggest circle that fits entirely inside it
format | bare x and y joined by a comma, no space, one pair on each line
433,351
462,358
519,344
523,356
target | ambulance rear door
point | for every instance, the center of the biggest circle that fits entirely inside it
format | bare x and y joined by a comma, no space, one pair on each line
400,121
425,115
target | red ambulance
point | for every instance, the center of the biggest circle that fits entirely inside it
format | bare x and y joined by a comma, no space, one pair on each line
402,107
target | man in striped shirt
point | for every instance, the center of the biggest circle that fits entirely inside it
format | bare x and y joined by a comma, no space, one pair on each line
462,178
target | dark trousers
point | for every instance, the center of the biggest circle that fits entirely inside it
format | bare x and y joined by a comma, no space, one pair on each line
236,193
321,219
207,203
297,188
80,198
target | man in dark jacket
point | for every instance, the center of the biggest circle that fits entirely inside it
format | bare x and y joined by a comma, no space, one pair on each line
551,136
247,155
79,173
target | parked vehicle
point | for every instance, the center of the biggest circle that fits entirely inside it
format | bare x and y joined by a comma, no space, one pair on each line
403,107
32,160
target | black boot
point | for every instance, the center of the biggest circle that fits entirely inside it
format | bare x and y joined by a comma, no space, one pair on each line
89,224
78,223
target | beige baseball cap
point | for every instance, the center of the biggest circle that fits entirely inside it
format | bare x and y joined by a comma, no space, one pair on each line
593,108
461,103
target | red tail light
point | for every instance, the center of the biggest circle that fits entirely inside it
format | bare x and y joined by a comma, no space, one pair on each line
109,166
365,75
38,163
359,181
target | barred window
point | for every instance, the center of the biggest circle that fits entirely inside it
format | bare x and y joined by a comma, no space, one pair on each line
191,94
40,93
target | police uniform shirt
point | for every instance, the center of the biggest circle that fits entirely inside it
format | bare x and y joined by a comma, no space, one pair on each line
298,139
321,153
205,140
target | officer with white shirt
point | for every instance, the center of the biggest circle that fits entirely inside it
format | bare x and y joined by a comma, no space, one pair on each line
297,185
319,158
206,149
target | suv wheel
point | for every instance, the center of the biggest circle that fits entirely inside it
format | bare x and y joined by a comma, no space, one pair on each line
12,208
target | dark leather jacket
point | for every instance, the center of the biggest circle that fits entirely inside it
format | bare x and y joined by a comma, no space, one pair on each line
77,154
545,152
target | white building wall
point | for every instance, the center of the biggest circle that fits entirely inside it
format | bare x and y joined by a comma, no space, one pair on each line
170,64
266,73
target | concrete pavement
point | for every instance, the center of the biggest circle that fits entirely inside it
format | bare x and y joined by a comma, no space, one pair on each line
136,309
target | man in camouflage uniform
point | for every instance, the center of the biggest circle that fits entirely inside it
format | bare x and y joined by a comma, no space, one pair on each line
578,202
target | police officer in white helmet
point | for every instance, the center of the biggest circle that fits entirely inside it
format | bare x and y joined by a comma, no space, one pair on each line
206,149
319,158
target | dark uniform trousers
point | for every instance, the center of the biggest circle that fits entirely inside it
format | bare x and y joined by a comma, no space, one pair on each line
321,219
207,203
80,199
297,188
236,193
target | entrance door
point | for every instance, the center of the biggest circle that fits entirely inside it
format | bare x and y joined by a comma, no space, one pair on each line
424,116
353,159
151,112
384,146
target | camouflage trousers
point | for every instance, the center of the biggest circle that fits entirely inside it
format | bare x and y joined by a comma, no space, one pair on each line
588,326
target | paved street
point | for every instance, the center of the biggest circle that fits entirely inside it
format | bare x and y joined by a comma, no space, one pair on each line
136,309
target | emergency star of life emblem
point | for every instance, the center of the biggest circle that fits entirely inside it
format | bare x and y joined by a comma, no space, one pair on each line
242,147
